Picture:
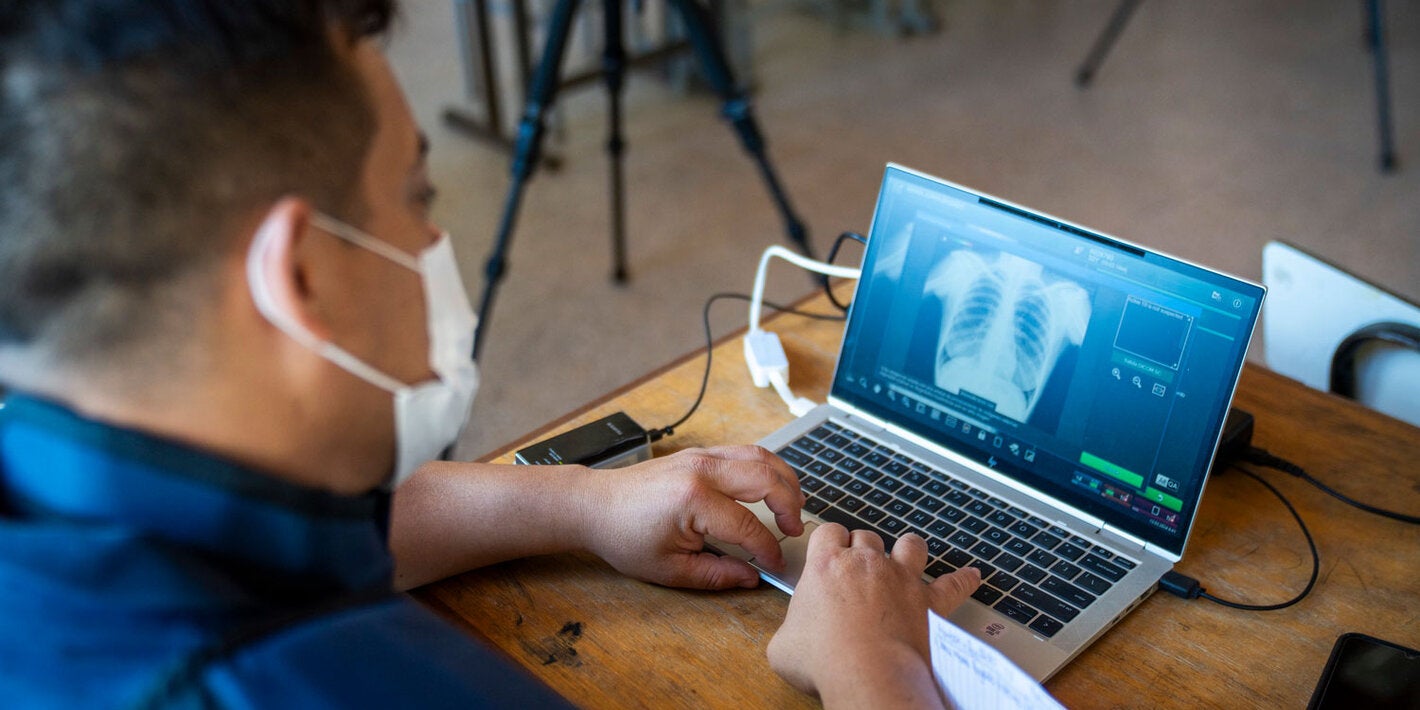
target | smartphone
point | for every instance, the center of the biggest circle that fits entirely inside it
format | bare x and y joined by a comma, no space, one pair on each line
1366,672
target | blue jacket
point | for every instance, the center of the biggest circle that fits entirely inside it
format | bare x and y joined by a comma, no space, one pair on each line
136,571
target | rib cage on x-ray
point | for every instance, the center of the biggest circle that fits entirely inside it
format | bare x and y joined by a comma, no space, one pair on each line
1003,327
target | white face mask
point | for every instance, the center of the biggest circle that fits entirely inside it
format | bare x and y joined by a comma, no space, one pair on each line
427,416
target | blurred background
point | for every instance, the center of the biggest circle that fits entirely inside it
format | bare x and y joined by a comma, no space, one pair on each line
1213,127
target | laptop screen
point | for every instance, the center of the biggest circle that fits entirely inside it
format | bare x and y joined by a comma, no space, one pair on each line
1081,366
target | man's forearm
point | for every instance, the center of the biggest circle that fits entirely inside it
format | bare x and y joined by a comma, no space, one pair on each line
452,517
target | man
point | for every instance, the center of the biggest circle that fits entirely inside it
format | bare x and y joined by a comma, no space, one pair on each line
227,327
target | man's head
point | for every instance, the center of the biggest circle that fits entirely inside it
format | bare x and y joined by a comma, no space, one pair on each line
139,135
144,147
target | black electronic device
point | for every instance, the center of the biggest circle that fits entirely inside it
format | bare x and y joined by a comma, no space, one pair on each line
1367,672
610,442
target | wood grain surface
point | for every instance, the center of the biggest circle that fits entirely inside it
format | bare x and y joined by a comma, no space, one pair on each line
602,640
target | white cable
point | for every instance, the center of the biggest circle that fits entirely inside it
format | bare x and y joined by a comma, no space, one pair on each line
803,262
764,354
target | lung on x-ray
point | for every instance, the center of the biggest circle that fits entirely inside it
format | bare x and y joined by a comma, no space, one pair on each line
1005,322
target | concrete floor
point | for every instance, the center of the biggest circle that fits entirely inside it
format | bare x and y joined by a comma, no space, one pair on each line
1214,127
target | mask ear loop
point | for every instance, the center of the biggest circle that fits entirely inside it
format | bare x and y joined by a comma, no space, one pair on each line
262,258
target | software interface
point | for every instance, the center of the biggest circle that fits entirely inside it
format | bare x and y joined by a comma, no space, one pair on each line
1074,363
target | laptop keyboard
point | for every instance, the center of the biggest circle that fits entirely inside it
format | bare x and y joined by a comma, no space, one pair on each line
1033,572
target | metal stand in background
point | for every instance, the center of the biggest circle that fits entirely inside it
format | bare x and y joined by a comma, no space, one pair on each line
704,40
1375,41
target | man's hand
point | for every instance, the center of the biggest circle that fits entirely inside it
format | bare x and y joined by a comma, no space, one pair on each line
856,631
650,521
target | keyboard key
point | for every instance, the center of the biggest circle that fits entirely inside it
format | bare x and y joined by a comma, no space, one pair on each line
1004,581
1013,510
1065,570
951,515
910,493
957,558
1104,569
1124,562
979,508
1018,546
1103,552
851,465
962,539
1042,558
830,493
1046,626
869,474
1046,540
1016,609
995,536
1009,562
892,526
1095,584
877,497
850,504
937,547
976,525
1001,518
920,518
957,497
959,485
1031,573
986,569
1080,542
811,484
915,478
1024,529
1036,521
876,460
930,503
941,528
858,487
890,484
985,550
795,456
838,477
1045,602
1070,551
820,433
831,455
819,468
857,450
936,488
986,595
896,468
899,508
993,500
1067,591
939,568
809,446
814,505
838,441
871,514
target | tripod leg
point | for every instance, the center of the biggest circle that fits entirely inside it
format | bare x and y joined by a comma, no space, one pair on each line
700,31
526,152
1376,34
1105,42
614,71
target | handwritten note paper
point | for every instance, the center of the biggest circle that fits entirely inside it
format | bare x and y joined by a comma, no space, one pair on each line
975,676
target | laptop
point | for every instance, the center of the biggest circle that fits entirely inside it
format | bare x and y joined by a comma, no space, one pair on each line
1034,398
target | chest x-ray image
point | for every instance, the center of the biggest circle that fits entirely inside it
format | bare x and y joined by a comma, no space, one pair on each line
1005,322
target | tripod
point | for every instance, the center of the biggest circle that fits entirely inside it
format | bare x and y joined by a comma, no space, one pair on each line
542,91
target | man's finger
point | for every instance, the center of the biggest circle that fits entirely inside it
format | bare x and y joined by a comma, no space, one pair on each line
705,570
911,550
726,520
829,536
868,538
755,478
949,591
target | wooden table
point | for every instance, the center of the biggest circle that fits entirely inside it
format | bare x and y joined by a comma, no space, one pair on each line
603,640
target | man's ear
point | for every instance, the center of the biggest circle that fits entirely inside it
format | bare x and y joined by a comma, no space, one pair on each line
277,276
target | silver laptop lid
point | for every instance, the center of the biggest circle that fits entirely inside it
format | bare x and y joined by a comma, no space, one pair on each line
1090,369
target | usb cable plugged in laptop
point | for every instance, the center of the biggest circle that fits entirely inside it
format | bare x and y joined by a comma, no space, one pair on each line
1234,447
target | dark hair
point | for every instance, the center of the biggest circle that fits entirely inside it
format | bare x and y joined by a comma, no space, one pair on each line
136,135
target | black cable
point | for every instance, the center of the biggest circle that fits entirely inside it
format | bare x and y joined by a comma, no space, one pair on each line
1262,457
669,429
1182,585
832,254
